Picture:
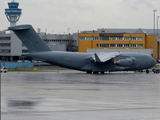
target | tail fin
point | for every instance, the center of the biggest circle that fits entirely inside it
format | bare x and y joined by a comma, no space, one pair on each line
30,38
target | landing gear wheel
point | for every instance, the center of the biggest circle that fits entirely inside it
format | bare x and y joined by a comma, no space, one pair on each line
89,72
102,72
95,72
147,71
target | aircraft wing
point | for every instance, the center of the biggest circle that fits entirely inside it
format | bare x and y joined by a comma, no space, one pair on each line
103,56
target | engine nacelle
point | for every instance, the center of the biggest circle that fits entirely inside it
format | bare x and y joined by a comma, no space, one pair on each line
127,62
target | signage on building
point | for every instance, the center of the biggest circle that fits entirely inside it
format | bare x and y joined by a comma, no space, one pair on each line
112,34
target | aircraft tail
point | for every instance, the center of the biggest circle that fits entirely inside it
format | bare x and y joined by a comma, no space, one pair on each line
30,38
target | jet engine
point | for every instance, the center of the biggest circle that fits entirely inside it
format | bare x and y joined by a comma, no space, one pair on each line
126,62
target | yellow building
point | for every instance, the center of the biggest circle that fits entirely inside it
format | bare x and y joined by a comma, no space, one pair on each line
118,41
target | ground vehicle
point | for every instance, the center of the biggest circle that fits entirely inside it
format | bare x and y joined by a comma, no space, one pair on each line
19,61
156,71
4,69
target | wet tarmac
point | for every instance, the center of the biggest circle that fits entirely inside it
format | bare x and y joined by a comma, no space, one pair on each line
74,95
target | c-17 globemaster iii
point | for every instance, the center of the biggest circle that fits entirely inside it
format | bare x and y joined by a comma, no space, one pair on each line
89,62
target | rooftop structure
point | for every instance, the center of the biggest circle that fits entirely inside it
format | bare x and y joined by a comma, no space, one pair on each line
13,13
123,30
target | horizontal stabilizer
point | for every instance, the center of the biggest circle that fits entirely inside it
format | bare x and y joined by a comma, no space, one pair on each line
19,27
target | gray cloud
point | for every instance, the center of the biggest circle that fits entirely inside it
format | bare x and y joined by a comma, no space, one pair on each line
58,15
141,4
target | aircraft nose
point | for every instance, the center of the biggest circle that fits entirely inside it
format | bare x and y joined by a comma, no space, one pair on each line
154,62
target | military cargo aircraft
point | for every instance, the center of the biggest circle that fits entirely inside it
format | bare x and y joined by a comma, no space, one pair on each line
89,62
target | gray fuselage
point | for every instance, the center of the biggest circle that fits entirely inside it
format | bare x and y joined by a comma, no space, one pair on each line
85,62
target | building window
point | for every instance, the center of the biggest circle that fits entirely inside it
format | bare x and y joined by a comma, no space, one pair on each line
133,38
113,38
104,45
139,45
5,51
127,38
95,38
97,45
4,38
126,45
104,38
5,44
119,45
139,38
82,38
112,45
132,45
120,38
88,38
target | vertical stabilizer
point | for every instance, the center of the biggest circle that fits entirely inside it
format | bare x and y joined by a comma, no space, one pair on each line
30,38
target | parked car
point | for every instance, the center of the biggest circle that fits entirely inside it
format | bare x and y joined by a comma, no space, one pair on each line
156,70
4,69
23,61
19,61
26,61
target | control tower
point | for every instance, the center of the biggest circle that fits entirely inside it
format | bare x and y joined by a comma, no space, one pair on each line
13,13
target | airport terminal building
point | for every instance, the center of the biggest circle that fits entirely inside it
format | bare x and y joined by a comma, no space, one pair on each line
119,39
11,48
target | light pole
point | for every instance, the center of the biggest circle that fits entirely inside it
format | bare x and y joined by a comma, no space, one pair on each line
154,12
157,30
68,30
154,43
157,24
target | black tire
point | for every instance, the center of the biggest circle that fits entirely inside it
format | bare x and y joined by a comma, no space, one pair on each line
95,72
102,72
89,72
147,71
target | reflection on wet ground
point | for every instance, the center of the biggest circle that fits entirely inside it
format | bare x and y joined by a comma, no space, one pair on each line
20,104
74,95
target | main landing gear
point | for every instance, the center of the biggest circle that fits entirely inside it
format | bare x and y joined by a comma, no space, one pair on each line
89,72
95,72
141,71
147,71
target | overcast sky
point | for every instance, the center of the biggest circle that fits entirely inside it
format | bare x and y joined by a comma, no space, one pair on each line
59,15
